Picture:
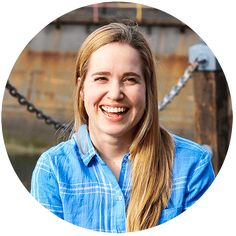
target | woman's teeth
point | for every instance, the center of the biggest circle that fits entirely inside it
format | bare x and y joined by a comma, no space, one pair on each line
114,109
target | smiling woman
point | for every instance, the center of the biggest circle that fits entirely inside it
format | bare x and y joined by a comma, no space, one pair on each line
120,171
114,95
114,98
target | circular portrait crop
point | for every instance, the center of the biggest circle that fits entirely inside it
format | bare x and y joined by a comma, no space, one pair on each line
125,117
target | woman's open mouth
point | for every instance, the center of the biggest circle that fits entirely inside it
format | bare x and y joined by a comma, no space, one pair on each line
114,111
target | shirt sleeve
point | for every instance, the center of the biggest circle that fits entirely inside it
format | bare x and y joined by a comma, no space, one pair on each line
44,186
202,177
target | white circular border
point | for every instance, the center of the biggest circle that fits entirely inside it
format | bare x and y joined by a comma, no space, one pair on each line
213,21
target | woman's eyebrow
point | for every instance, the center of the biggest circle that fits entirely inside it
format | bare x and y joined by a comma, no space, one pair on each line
132,74
106,73
101,73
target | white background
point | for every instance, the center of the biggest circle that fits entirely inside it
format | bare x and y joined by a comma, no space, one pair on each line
214,213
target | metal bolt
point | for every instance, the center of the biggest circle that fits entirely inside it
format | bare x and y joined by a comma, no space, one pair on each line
204,56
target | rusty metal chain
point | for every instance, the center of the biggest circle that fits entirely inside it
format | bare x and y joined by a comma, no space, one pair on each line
57,125
31,108
179,86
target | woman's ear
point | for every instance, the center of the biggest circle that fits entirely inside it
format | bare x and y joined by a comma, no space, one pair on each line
81,91
82,94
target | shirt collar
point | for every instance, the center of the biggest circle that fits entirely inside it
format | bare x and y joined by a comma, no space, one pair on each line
84,143
86,148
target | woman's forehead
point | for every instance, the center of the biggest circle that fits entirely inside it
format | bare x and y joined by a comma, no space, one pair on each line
115,56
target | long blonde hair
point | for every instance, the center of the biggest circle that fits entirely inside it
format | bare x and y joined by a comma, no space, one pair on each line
152,148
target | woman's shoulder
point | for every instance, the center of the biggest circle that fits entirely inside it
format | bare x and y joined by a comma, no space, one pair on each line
189,154
59,153
63,147
189,146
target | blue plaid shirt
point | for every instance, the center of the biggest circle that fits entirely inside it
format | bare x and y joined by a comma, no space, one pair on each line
74,183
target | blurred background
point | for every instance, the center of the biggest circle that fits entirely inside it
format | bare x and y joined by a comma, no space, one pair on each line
44,75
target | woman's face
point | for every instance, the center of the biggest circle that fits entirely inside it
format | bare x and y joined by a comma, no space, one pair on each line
114,91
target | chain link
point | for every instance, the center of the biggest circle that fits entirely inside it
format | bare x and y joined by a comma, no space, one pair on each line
31,108
168,98
57,125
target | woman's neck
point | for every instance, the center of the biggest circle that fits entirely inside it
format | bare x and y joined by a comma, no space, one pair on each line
110,147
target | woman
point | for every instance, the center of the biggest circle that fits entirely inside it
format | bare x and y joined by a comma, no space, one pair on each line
121,171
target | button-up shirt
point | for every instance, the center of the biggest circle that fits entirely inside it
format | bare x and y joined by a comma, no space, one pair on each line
74,183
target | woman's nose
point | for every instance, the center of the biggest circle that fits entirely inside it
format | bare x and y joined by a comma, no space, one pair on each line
115,91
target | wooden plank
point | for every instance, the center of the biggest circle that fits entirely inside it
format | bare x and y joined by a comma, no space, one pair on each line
213,111
224,116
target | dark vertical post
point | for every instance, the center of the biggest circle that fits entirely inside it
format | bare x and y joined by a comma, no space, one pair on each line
213,112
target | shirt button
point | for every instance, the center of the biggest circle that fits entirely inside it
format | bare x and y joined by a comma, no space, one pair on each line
120,198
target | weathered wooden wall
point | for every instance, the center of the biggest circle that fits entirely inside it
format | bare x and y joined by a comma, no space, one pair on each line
44,75
44,71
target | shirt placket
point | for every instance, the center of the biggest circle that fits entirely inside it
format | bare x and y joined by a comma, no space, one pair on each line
118,208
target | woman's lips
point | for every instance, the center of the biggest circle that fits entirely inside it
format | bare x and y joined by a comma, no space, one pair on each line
114,109
114,112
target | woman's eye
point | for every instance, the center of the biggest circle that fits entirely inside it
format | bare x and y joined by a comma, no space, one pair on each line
130,80
102,79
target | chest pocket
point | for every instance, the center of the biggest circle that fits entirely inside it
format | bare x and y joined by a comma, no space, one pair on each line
168,214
